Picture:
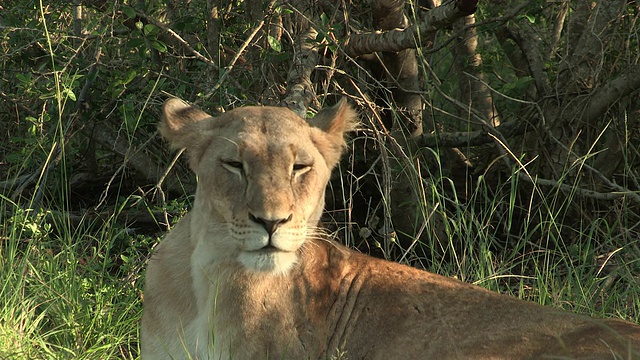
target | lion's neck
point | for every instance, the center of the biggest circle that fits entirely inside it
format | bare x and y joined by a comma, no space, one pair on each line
296,305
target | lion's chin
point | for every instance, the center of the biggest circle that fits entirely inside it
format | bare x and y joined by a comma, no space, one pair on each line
269,261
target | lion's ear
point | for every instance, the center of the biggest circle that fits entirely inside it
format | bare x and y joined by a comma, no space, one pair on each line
176,124
335,122
183,125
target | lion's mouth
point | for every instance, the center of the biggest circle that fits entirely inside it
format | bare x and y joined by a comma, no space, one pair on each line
269,249
269,258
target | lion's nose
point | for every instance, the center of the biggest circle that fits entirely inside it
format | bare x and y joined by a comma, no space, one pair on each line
270,225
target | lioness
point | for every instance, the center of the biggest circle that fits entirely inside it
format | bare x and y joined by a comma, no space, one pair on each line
247,275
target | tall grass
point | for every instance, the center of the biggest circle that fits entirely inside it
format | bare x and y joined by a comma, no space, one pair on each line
520,239
60,294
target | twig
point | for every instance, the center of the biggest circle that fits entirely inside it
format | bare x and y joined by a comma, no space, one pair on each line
37,177
158,186
501,19
179,39
228,68
90,78
529,45
109,139
470,138
18,103
524,175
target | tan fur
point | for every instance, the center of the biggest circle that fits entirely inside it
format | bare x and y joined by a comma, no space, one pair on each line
212,292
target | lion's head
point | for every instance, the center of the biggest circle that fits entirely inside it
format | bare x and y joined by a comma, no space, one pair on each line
261,173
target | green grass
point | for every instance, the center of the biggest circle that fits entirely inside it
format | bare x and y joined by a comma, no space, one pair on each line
64,295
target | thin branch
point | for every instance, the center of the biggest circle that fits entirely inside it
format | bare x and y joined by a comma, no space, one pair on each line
499,134
228,68
558,26
524,175
136,158
177,38
38,178
494,20
585,64
471,138
529,44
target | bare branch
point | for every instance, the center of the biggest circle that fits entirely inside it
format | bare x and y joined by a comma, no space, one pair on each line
300,92
471,138
466,58
558,25
417,35
584,66
529,43
134,157
213,31
401,68
623,85
582,192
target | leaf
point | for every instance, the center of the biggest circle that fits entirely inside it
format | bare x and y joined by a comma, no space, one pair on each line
325,19
129,76
135,42
158,45
14,158
70,94
23,78
283,56
150,29
274,43
129,12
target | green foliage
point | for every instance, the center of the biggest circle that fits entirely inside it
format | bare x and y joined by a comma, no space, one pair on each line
70,280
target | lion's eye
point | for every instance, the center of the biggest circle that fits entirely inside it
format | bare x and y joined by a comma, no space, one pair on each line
299,169
233,166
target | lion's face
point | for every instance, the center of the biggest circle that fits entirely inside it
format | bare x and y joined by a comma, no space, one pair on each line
261,173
